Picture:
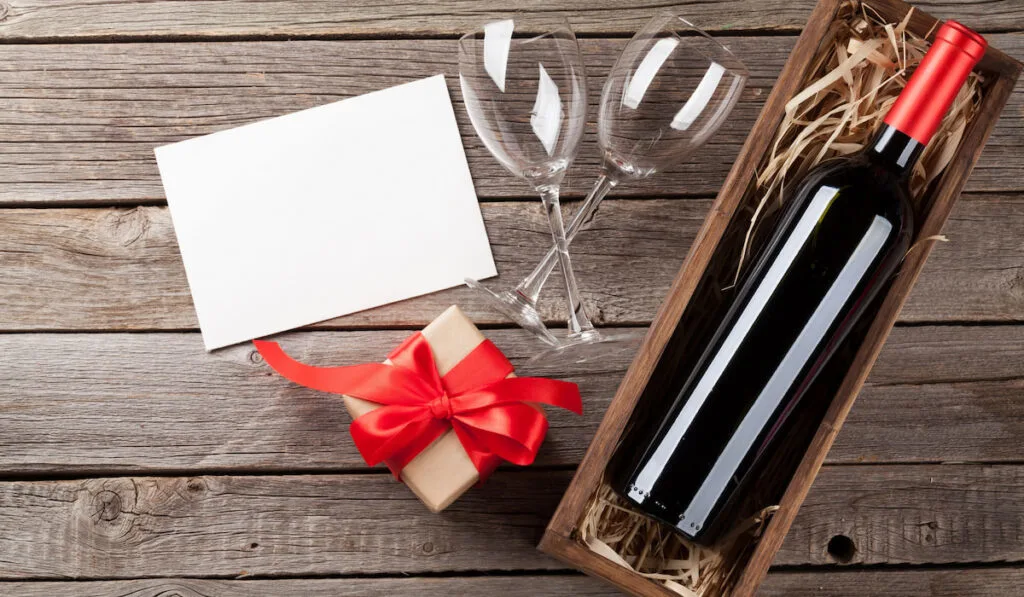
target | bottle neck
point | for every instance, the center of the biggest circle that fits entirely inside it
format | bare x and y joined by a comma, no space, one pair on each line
895,150
919,109
937,79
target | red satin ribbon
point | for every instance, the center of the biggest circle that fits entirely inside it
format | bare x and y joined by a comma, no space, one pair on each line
488,411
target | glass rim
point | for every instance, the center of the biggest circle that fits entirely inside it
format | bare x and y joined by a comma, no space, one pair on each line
737,66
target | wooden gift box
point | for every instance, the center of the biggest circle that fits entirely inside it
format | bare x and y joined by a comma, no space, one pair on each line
804,450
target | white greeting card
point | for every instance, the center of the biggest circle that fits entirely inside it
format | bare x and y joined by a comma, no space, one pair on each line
325,212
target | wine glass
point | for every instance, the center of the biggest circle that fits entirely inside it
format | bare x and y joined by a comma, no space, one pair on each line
670,90
525,90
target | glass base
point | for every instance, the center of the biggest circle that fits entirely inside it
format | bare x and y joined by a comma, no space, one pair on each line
513,305
592,346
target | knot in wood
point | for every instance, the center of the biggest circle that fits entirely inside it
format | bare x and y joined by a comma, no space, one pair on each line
128,226
5,9
105,510
108,505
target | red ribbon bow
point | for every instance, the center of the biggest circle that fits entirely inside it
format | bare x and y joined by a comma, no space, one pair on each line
489,412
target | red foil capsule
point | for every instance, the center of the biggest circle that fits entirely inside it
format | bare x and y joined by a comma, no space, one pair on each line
919,110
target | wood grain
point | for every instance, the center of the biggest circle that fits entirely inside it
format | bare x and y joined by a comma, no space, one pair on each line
147,403
508,586
574,554
119,269
951,582
81,19
893,514
366,524
80,127
70,135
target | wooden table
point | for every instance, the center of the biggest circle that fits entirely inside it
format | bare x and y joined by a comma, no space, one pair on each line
131,457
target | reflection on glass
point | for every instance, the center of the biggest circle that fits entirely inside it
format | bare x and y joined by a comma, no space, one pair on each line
497,40
701,97
650,473
640,80
714,413
546,117
728,463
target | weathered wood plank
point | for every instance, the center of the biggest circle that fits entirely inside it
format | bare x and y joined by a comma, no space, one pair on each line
508,586
948,354
78,19
80,126
111,269
148,403
933,422
119,269
345,524
911,514
952,582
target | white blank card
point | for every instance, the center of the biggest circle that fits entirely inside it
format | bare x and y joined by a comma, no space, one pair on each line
325,212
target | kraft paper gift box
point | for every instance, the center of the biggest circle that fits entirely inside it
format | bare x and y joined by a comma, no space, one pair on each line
443,471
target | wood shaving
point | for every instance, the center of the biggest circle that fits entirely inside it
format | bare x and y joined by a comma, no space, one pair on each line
613,529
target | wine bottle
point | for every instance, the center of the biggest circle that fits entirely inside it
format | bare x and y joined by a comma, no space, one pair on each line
839,239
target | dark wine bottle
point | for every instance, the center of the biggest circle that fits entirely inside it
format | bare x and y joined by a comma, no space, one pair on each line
839,239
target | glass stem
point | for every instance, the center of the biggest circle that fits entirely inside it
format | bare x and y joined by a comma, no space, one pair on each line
529,288
578,320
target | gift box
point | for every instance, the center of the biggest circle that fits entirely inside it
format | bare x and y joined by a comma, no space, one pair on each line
737,564
443,471
442,411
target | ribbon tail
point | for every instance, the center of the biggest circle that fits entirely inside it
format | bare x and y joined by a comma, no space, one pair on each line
376,382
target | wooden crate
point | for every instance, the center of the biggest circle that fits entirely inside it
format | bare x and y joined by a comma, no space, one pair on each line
559,539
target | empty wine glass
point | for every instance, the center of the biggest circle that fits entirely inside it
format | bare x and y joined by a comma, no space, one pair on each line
669,91
525,90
